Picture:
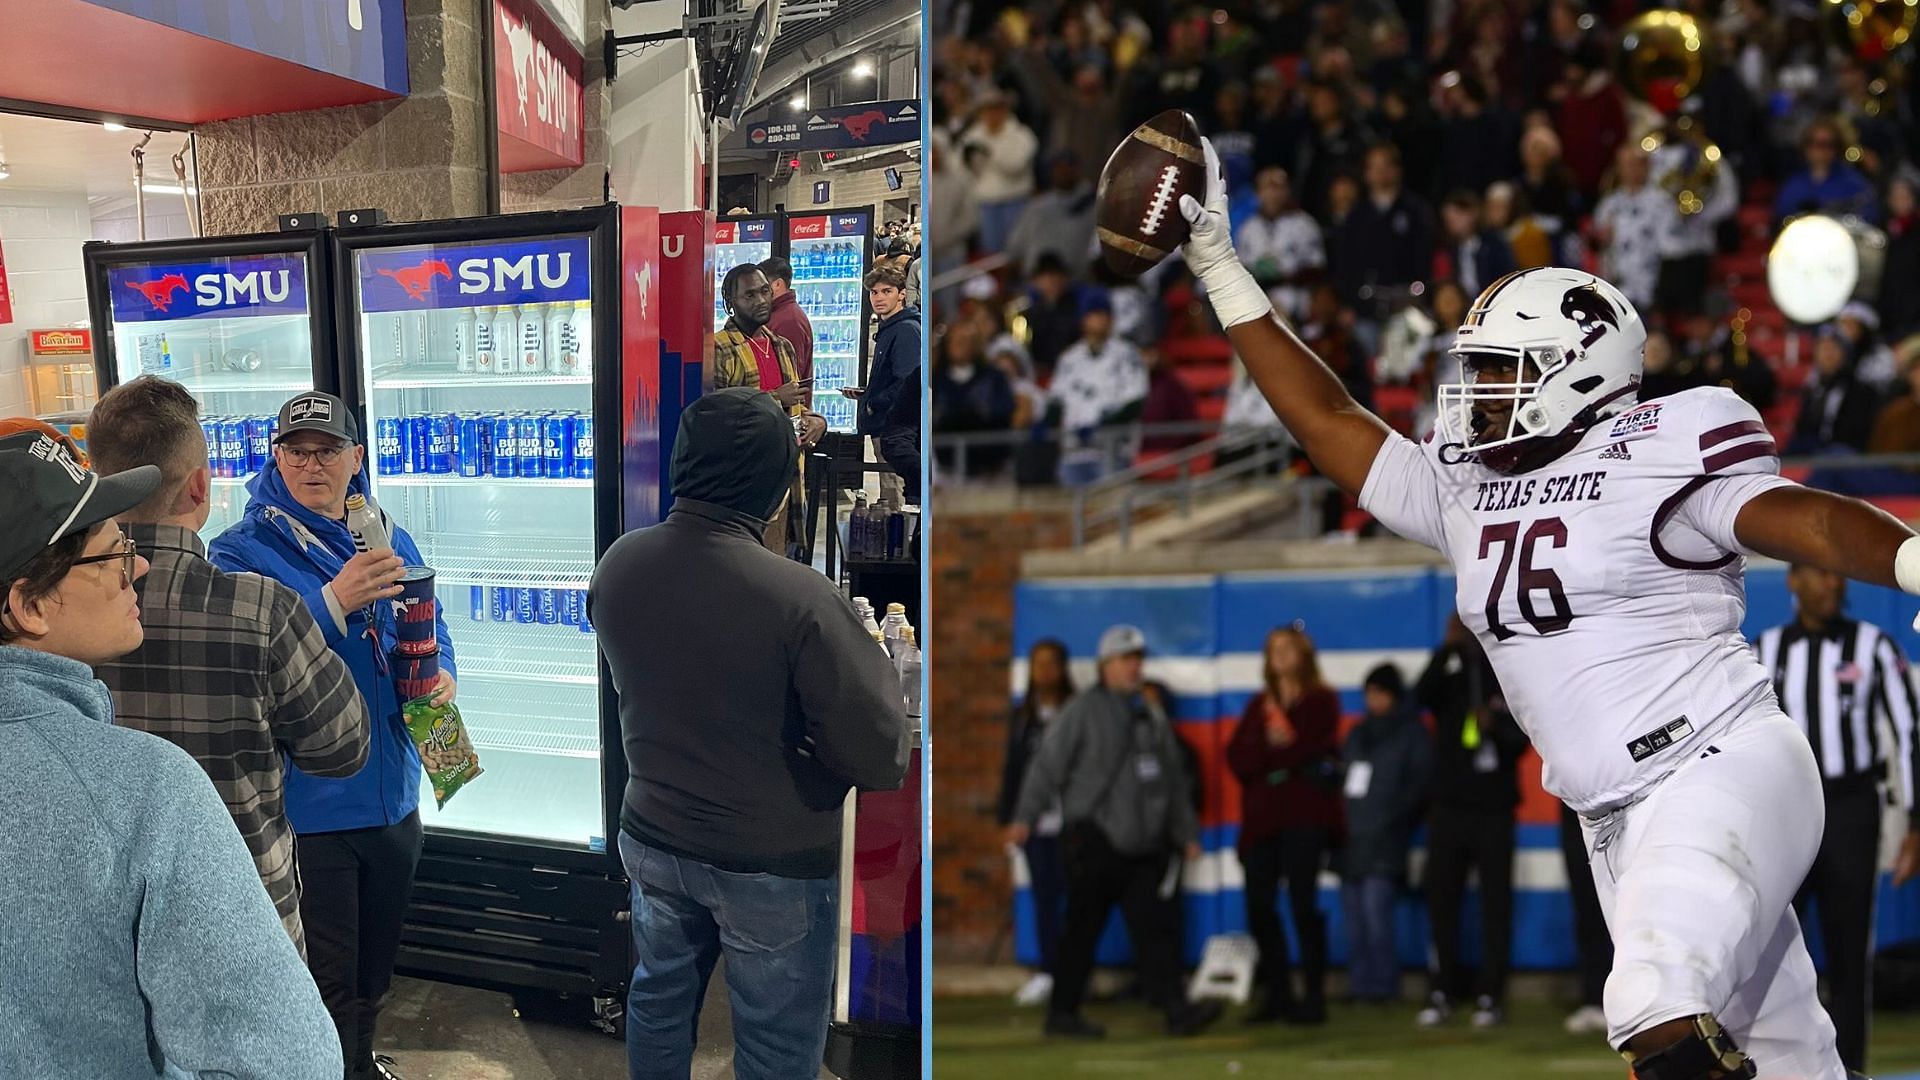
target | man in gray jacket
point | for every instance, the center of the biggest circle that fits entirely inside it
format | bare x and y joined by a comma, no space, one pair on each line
751,700
1112,762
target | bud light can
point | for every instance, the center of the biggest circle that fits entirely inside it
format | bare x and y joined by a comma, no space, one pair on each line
499,604
389,447
210,427
471,436
506,444
523,605
548,606
582,447
416,431
477,603
233,446
573,607
440,436
259,443
533,460
556,444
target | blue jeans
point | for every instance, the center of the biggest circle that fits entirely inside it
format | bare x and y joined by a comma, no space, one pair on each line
1373,969
778,935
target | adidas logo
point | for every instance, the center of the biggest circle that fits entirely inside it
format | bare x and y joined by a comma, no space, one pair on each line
1616,452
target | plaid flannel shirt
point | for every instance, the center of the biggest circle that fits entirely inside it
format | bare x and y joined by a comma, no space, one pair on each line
235,672
734,365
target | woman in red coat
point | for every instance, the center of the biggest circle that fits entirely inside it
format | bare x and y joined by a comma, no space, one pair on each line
1286,755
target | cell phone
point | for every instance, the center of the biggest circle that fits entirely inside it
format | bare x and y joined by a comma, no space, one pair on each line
852,391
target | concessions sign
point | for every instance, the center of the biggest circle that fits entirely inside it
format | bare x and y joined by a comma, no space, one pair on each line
539,93
848,127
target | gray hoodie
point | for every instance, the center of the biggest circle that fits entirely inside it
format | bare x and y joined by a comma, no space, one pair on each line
137,937
1110,759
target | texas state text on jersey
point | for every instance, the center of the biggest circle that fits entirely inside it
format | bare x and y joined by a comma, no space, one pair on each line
1606,586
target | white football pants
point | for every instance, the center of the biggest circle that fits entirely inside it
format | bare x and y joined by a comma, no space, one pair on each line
1697,882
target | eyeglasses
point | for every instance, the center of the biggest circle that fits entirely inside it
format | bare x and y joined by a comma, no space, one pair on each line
126,552
298,456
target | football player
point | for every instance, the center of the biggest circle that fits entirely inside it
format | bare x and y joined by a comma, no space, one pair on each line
1598,547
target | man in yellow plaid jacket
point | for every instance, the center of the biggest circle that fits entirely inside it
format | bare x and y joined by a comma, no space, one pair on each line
746,353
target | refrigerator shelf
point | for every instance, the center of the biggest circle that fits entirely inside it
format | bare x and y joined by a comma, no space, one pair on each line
473,559
818,318
456,480
237,382
471,380
522,652
512,734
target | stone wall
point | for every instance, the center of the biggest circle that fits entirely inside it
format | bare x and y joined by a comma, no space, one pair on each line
977,543
418,158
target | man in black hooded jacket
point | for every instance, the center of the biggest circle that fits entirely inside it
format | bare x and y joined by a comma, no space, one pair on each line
751,700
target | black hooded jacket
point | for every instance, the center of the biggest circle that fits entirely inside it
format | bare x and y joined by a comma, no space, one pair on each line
751,697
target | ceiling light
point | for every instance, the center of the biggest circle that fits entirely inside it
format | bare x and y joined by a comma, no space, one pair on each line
799,101
3,171
862,70
166,189
111,126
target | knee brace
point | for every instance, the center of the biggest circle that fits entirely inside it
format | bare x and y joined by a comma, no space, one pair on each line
1708,1053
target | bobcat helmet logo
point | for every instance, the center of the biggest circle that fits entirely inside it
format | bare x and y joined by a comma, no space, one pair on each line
1590,311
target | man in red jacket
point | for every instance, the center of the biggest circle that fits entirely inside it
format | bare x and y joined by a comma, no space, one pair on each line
789,321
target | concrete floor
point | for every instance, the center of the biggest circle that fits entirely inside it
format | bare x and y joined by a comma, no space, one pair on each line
438,1031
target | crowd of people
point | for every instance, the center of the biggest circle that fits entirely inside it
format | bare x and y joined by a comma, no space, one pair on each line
1100,794
212,793
1387,163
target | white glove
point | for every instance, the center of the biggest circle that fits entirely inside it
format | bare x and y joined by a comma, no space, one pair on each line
1209,253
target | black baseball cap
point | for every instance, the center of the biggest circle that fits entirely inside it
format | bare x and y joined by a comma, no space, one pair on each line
315,411
50,496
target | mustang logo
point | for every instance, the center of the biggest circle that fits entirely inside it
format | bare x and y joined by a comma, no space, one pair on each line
160,293
861,124
416,280
520,48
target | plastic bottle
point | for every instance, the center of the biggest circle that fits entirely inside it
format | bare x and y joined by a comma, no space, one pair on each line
857,527
865,608
561,357
907,659
485,346
506,340
583,336
531,338
464,358
892,626
166,354
363,522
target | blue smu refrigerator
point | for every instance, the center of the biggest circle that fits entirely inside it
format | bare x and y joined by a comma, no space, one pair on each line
483,356
243,322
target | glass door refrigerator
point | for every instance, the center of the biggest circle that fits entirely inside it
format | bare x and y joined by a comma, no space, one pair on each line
243,322
739,240
830,253
483,354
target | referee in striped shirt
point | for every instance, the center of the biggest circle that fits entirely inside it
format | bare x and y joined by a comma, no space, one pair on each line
1838,677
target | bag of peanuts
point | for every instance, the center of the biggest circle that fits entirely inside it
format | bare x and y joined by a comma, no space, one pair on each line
445,750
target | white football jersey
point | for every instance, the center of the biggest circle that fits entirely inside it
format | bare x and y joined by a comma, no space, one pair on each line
1606,586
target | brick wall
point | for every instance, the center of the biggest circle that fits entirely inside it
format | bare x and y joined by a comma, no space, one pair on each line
976,563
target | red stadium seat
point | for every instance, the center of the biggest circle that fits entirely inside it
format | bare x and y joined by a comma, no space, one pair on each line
1210,409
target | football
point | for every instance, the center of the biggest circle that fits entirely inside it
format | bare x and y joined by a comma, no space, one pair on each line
1137,206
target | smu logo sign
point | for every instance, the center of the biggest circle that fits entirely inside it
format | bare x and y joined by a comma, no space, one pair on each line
540,95
230,288
527,272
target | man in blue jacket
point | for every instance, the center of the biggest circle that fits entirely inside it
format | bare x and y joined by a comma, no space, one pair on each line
890,413
359,836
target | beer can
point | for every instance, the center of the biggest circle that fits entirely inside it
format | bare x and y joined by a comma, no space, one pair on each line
524,603
416,676
415,630
259,443
582,465
499,604
389,446
556,444
210,427
548,609
442,429
506,445
573,606
533,460
233,446
478,603
416,432
471,434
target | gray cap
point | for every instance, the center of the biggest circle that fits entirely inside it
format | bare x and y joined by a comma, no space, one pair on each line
1121,640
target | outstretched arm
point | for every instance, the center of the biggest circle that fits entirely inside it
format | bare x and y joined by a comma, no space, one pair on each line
1833,532
1336,432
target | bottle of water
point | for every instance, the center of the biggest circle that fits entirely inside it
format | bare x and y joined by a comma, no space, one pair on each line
907,659
857,527
893,627
865,607
363,522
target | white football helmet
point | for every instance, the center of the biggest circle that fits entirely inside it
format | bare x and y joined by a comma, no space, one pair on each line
1574,344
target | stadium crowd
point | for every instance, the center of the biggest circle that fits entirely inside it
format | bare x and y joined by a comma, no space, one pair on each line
1386,162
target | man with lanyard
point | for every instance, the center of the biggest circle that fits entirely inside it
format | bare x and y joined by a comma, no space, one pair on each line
746,353
359,837
1111,763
